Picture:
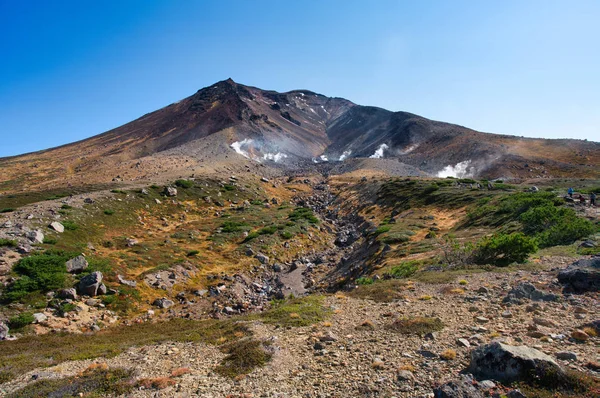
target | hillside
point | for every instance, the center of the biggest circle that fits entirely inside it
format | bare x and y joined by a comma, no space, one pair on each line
232,125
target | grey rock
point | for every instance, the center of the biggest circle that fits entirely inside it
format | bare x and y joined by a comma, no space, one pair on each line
76,264
70,294
566,356
460,388
131,242
91,285
38,317
7,224
126,282
463,343
582,275
3,331
163,303
527,290
262,258
264,179
35,236
170,191
405,375
509,363
58,227
487,384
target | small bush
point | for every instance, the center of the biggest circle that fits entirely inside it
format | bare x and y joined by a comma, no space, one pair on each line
118,191
70,225
109,212
383,292
382,229
404,270
184,184
430,189
395,238
257,202
7,242
270,230
364,281
228,187
156,383
417,325
503,249
303,213
251,235
66,207
49,241
7,210
448,355
21,320
287,235
193,253
243,357
232,226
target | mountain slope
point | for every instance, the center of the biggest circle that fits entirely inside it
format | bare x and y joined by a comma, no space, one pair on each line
292,128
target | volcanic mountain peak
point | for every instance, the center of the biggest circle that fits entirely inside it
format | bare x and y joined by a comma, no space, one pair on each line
232,122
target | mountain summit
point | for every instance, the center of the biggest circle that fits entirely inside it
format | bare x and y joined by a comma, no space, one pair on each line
233,122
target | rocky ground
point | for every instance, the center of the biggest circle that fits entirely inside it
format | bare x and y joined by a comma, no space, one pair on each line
355,353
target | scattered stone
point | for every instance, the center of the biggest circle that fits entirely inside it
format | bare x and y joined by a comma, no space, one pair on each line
405,375
170,191
58,227
262,258
163,303
463,343
482,319
67,294
527,290
126,282
509,363
36,236
463,387
580,335
507,314
77,264
487,384
582,275
39,317
91,285
566,355
264,179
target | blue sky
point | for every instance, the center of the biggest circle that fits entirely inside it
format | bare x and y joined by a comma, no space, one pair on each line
73,69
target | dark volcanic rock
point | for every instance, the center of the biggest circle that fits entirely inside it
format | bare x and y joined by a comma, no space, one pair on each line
459,388
528,291
91,285
582,276
510,363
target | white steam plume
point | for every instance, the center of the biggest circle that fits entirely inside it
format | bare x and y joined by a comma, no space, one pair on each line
345,155
238,145
275,157
379,152
460,170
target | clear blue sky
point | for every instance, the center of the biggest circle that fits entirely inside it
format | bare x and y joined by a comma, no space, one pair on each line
73,69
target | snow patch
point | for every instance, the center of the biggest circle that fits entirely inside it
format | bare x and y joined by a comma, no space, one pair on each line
460,170
379,152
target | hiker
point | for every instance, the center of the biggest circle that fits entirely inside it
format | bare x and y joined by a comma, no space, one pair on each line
593,199
570,192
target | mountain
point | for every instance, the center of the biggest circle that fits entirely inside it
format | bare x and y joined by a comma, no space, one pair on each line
232,123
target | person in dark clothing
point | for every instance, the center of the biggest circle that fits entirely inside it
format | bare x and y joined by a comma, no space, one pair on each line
570,192
593,199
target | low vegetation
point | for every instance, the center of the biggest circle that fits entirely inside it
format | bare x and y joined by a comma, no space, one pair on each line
303,311
417,325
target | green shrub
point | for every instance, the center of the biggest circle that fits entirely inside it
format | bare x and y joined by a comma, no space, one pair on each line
69,225
270,230
364,281
504,249
7,242
184,183
555,226
251,235
66,207
404,270
396,238
287,235
228,187
193,253
303,213
49,241
7,210
417,325
431,188
118,191
21,320
257,202
109,212
232,226
243,357
382,229
40,272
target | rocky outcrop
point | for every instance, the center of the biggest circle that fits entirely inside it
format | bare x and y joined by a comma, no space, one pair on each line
528,291
463,387
91,285
163,303
35,236
67,294
509,363
77,264
170,191
582,276
3,331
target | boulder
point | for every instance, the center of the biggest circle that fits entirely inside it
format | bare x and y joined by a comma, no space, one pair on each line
582,276
126,282
163,303
170,191
3,331
527,290
58,227
35,236
463,387
91,285
77,264
65,294
262,258
39,317
510,363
